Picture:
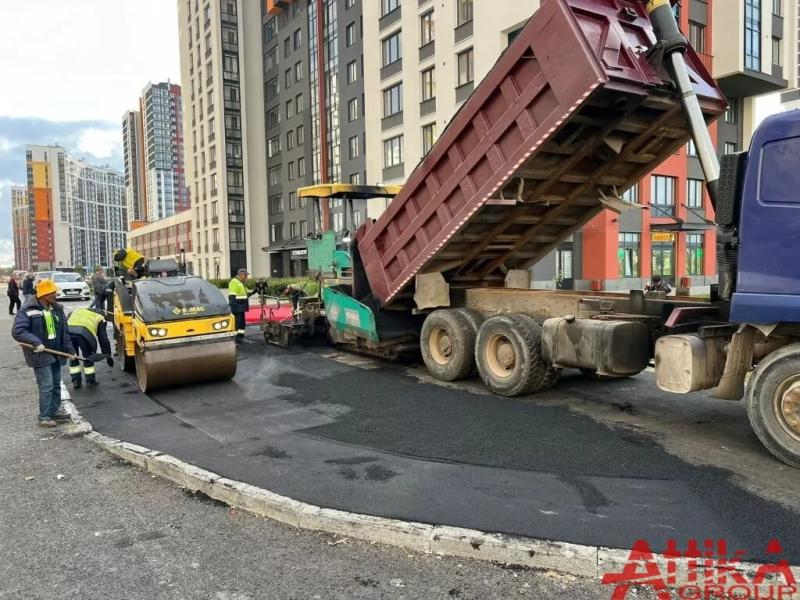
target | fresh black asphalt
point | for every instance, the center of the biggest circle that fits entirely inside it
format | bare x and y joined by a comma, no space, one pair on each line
379,441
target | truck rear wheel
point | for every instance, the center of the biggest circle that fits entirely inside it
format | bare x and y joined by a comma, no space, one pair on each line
508,353
773,403
447,343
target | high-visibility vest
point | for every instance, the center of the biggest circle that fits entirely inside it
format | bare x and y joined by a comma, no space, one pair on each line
83,317
236,289
131,258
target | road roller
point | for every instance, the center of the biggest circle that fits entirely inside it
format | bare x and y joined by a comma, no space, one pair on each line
173,331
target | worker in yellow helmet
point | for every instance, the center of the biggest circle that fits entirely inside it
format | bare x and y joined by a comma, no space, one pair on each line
238,299
87,328
134,263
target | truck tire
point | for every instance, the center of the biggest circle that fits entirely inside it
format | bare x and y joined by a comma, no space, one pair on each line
128,363
508,353
447,343
773,403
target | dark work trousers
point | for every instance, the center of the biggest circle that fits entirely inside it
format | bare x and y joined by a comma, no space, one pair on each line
82,348
12,302
241,325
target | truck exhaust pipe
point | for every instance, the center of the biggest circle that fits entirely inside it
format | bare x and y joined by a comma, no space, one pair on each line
672,44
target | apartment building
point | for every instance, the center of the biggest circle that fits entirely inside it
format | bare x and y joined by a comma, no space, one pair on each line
170,237
155,183
20,220
77,213
223,130
431,55
302,109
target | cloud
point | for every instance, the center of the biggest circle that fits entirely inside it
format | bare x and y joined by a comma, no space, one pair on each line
6,253
7,145
102,143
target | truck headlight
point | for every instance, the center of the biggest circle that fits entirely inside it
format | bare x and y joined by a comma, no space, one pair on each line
155,332
219,325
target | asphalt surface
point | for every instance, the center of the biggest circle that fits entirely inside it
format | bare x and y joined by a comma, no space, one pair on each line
598,463
105,530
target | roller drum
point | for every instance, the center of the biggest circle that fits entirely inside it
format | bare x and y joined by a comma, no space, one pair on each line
158,368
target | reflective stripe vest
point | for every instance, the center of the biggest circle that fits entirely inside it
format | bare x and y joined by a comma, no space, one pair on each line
131,258
236,289
83,317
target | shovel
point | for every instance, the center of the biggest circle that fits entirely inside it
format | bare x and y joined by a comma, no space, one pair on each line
93,358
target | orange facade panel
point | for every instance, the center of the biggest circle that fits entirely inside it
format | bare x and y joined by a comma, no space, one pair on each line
274,7
41,204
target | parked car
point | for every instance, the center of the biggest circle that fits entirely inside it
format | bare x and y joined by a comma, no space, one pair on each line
71,286
38,276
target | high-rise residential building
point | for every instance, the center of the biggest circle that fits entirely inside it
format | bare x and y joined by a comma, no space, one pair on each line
302,108
133,156
431,55
20,221
154,155
77,212
791,99
223,125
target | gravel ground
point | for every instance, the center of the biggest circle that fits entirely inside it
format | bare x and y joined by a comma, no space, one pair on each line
78,523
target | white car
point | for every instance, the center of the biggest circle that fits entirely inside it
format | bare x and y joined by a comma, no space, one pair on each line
71,286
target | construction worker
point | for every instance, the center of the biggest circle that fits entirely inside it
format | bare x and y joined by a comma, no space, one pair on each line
657,284
134,263
42,324
294,291
238,298
87,328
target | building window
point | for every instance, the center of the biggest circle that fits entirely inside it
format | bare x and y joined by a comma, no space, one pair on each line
301,135
292,230
777,7
631,196
428,84
777,52
465,69
352,110
290,140
273,117
299,105
355,179
393,100
730,148
512,35
428,138
272,89
752,35
274,176
691,149
697,36
270,29
287,47
301,167
730,112
463,12
662,200
354,147
350,34
297,39
393,152
287,79
391,50
290,171
388,6
271,59
303,229
292,201
273,146
694,193
694,253
352,72
350,3
289,109
275,204
628,254
298,71
275,232
426,28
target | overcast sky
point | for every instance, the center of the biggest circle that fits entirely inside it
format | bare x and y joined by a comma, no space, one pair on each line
68,72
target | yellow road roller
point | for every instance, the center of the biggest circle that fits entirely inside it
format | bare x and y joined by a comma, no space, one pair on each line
173,330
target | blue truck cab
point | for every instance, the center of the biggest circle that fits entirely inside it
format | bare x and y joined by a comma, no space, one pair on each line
767,198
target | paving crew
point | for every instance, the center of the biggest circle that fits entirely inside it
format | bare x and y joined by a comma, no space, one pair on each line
41,323
295,291
238,298
87,328
133,263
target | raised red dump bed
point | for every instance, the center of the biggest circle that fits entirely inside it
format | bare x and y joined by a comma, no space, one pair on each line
572,112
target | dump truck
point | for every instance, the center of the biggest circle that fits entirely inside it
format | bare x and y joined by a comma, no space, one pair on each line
591,97
171,330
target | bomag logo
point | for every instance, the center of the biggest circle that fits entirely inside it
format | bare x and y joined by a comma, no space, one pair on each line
189,310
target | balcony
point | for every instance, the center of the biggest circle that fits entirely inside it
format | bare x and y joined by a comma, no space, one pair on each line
233,105
214,220
228,18
213,192
230,48
233,161
215,247
236,190
212,165
662,211
230,76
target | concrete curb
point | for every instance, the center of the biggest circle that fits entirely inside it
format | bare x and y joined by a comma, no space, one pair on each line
563,557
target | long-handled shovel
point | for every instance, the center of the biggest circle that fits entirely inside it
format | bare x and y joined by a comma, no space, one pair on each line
93,358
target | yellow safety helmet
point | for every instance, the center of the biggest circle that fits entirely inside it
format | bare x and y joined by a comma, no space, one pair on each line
45,287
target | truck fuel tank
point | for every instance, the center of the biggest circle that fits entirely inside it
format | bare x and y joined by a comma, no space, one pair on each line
611,348
689,363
